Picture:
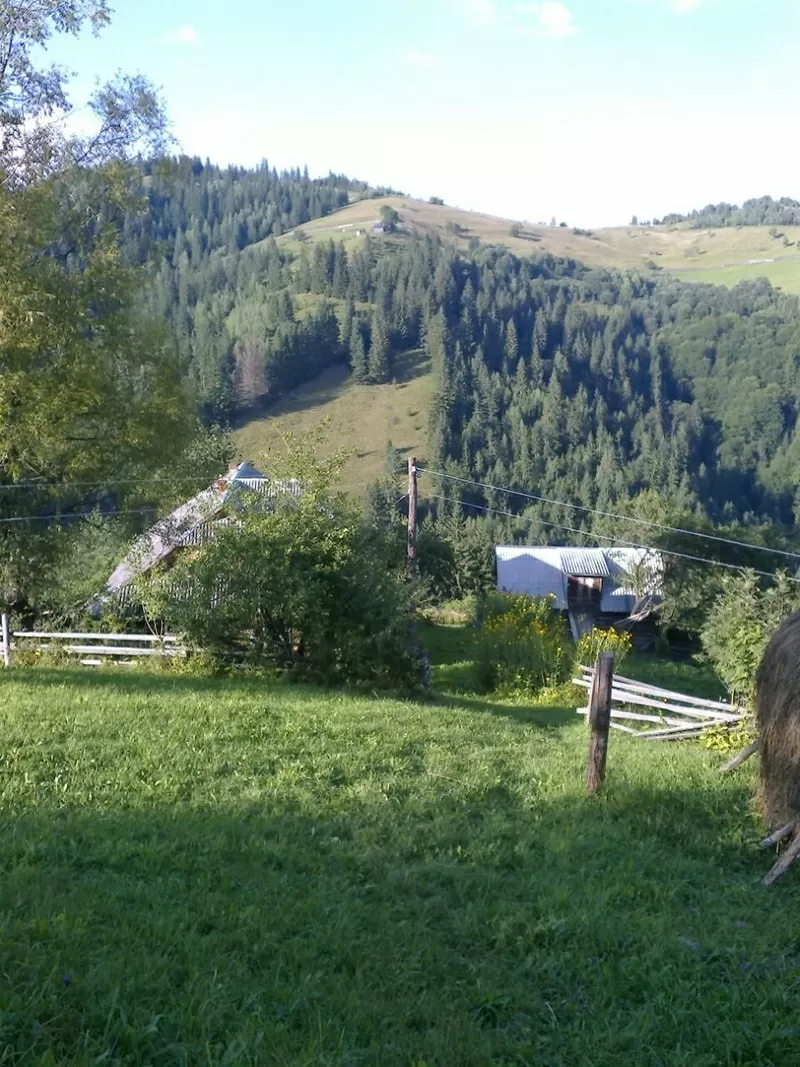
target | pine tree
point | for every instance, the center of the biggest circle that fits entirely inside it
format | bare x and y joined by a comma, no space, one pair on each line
379,350
512,348
348,319
358,355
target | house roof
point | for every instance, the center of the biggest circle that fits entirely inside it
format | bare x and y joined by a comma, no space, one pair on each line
585,562
192,522
544,571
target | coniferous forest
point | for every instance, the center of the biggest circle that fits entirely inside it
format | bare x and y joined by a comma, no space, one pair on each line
590,385
761,211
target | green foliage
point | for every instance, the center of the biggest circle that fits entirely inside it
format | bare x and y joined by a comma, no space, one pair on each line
743,618
379,363
301,585
591,644
762,211
523,645
81,559
90,387
127,113
729,740
390,219
358,356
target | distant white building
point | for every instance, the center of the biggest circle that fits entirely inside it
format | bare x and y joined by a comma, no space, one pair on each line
614,581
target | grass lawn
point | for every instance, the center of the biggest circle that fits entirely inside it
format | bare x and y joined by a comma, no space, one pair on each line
222,872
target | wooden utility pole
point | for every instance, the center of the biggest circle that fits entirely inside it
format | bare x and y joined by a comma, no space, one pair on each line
5,637
412,518
599,721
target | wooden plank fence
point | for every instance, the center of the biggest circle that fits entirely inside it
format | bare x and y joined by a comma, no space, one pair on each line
662,715
91,649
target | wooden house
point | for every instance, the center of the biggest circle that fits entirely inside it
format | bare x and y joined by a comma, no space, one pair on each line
194,522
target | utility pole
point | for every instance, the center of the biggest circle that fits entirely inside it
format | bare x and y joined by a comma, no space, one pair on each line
412,518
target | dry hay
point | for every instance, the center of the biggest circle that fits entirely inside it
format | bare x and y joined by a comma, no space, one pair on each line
777,700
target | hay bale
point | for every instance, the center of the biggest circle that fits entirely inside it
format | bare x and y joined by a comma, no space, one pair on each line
777,699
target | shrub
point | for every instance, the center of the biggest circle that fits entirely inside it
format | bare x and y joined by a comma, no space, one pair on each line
743,618
590,646
304,587
523,645
729,739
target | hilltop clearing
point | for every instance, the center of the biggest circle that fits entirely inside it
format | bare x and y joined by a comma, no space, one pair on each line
721,256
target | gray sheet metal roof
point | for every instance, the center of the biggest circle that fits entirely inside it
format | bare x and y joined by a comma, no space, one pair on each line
189,524
540,572
585,562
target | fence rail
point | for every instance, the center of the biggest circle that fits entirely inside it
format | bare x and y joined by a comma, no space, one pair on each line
91,649
667,715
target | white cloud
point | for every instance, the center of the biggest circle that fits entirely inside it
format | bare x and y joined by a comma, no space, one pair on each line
185,35
554,19
482,12
420,58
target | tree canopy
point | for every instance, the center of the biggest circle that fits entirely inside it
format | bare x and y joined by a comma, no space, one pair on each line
763,211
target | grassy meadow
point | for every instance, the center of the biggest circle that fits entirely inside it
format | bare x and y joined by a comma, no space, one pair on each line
224,872
722,257
362,419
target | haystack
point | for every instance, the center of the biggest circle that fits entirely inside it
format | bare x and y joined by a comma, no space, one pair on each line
778,722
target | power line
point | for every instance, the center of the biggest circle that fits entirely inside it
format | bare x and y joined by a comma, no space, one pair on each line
611,515
100,484
615,540
60,520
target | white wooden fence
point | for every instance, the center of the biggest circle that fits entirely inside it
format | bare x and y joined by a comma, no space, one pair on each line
91,649
663,714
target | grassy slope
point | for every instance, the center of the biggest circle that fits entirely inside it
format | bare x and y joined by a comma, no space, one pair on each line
710,255
221,872
363,418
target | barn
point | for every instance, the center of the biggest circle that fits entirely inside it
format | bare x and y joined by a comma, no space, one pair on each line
595,586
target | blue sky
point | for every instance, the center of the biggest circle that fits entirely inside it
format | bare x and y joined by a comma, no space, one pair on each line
589,110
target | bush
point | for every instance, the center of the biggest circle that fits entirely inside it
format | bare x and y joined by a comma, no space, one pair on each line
523,645
741,622
596,641
729,739
304,588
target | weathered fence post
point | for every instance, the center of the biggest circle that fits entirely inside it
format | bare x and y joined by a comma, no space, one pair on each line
6,639
599,721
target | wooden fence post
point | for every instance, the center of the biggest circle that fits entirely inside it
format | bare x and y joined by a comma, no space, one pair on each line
6,638
599,721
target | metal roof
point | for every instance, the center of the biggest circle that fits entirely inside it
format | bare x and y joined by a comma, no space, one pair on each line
585,562
189,524
627,573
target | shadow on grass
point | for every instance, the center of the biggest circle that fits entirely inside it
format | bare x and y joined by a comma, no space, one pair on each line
429,921
549,718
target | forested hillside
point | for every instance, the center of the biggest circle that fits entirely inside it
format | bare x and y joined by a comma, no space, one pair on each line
585,384
206,231
763,211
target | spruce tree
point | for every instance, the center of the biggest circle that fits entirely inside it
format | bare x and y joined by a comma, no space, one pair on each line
358,355
379,352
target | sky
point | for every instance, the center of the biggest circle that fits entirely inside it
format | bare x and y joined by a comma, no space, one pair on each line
587,110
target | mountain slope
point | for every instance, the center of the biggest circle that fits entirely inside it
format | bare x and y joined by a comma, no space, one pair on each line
360,418
723,256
